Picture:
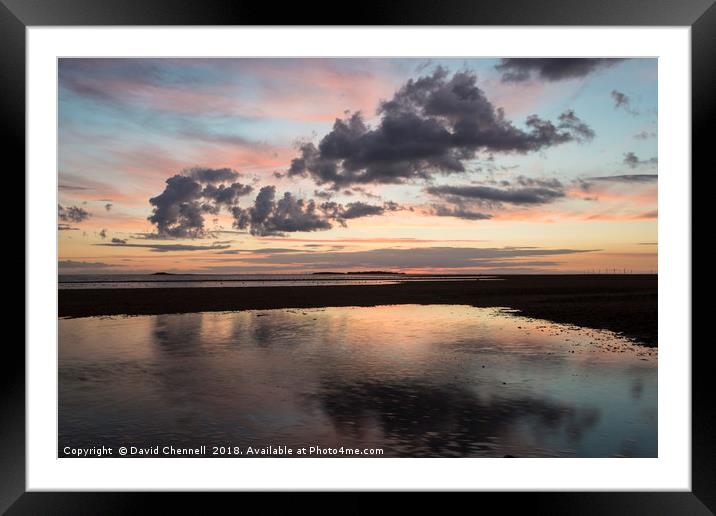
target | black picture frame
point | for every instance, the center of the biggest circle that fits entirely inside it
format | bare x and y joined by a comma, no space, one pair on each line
17,15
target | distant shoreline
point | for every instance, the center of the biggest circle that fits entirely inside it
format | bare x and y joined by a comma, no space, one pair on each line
358,273
626,304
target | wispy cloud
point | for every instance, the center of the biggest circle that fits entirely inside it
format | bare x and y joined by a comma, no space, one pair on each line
626,178
164,248
418,257
73,264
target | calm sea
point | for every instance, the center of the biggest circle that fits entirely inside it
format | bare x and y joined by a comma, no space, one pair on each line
410,380
85,281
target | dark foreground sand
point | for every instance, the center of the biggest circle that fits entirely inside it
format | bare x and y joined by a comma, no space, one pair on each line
622,303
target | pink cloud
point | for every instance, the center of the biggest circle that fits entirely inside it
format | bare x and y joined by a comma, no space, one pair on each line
317,91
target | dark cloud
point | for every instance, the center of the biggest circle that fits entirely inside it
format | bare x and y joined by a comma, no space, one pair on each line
553,183
267,250
211,175
179,210
213,233
226,195
489,195
626,178
72,213
270,217
586,184
365,193
573,126
355,210
420,257
550,69
431,125
274,250
289,214
632,161
323,194
71,264
621,100
644,135
461,201
459,212
163,248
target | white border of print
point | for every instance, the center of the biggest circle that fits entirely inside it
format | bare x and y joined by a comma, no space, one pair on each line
670,471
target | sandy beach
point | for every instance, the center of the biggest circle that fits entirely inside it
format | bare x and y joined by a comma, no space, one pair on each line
626,304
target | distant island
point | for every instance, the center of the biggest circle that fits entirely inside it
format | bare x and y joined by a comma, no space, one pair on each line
162,274
361,272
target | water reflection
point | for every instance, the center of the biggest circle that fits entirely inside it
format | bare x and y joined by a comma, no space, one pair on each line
414,380
449,420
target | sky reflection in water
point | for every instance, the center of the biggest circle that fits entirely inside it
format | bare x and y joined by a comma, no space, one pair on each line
414,380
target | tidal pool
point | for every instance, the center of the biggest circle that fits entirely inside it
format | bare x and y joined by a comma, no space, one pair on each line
412,380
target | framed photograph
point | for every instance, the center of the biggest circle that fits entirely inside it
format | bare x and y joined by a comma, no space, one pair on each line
388,254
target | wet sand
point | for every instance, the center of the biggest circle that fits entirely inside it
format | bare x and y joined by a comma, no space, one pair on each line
626,304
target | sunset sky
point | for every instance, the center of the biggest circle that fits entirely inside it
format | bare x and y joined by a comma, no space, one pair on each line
304,165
